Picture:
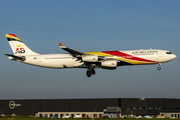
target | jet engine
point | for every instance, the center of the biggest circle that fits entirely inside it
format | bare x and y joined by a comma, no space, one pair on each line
90,58
109,64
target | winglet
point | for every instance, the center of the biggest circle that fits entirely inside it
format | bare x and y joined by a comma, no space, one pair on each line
61,45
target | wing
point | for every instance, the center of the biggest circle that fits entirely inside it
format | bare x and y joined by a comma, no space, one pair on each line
86,55
71,51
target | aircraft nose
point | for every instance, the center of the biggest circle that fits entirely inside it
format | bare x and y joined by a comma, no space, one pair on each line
174,56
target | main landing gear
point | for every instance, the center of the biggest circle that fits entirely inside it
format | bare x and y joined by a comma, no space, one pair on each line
159,68
90,72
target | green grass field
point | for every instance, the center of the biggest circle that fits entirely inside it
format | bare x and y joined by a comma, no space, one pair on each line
81,118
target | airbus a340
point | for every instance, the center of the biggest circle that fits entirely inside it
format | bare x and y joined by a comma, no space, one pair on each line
89,60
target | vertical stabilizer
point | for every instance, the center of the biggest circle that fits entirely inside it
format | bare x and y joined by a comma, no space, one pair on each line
17,46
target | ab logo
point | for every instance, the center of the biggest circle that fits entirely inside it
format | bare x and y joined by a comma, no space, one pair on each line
20,50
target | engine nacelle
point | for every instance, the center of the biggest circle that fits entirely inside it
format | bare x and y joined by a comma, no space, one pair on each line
90,58
109,64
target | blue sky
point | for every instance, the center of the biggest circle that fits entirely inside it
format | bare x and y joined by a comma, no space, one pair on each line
90,25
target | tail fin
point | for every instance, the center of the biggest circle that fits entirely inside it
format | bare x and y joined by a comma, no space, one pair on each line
17,46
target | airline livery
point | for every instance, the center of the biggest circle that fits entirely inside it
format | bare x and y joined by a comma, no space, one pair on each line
89,60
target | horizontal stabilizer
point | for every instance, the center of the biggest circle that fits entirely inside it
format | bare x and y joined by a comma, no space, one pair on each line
22,58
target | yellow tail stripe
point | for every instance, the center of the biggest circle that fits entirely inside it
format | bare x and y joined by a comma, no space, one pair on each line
9,36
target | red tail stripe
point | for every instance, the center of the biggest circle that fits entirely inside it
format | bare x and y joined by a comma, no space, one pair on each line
12,35
126,56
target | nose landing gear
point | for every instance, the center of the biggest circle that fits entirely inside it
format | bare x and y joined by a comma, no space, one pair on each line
159,68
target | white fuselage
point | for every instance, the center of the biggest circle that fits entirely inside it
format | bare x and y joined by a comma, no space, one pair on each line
52,60
68,61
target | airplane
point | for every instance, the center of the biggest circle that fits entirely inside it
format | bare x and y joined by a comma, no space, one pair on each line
89,60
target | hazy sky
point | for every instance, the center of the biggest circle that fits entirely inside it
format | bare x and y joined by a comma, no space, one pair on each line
90,25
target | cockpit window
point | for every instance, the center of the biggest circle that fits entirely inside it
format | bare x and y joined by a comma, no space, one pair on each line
168,52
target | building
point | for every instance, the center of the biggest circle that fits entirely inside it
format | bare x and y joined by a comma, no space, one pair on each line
109,107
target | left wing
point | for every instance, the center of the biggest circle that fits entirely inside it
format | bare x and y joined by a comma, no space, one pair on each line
86,57
71,51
